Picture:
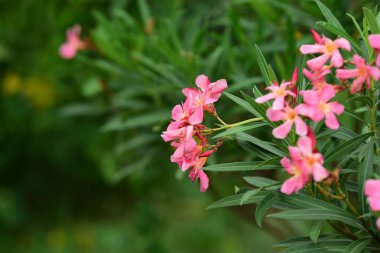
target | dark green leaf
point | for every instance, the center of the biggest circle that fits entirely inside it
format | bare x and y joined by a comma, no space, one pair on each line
238,166
357,246
239,129
316,230
264,206
371,20
365,172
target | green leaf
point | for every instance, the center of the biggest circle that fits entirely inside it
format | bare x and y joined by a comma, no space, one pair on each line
239,129
262,182
357,246
235,200
376,160
365,172
346,147
363,99
316,230
331,19
335,245
318,214
371,20
264,206
260,143
263,65
275,161
238,166
242,103
247,195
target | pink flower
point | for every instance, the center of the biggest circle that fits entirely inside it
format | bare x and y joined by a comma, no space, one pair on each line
362,73
278,93
372,191
374,41
204,97
73,43
298,181
196,172
316,106
328,49
310,160
290,116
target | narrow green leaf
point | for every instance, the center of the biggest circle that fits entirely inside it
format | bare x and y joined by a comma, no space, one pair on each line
316,230
242,103
329,15
268,202
363,99
346,147
263,65
238,166
357,246
260,143
365,172
318,214
371,20
239,129
262,182
247,195
270,162
235,200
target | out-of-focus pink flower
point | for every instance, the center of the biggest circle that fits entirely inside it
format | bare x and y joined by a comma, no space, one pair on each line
316,106
204,97
278,93
290,116
73,43
362,73
328,49
298,180
374,41
372,191
196,172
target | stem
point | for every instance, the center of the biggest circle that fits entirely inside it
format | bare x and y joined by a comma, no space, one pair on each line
220,120
226,126
348,202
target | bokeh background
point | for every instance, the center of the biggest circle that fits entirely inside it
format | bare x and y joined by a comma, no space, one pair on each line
82,164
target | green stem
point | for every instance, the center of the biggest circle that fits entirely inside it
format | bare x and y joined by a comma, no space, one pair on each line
226,126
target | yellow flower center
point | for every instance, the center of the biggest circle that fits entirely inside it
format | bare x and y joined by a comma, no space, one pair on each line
324,107
362,71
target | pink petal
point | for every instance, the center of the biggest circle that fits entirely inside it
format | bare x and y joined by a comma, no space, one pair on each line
331,121
285,162
372,188
310,97
218,87
378,60
374,40
319,173
291,185
177,112
312,49
318,62
282,131
336,108
265,98
190,92
275,115
295,153
304,109
358,61
204,181
347,73
301,127
202,82
374,72
374,203
343,43
67,51
357,84
278,103
378,223
197,116
327,93
336,59
305,145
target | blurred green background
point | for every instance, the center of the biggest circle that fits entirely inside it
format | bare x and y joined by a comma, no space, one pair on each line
82,164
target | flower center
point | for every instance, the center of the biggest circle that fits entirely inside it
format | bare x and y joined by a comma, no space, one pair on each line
310,160
362,71
330,47
280,92
323,107
291,114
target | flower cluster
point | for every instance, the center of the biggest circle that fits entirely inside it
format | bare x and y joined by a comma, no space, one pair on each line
185,132
73,43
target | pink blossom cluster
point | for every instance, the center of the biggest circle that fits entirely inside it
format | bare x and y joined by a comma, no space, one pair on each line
185,132
372,191
73,43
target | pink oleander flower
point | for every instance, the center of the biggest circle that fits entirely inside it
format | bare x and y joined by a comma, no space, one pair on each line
290,116
372,191
362,73
196,172
186,153
69,49
204,97
374,41
318,79
310,160
316,106
278,93
298,180
328,49
184,113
